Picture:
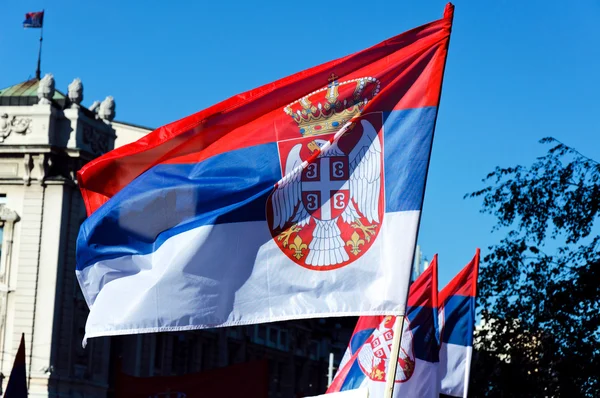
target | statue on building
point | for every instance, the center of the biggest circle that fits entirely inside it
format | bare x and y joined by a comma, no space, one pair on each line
46,89
76,92
106,111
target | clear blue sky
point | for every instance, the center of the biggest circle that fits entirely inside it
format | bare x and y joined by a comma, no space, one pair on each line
517,71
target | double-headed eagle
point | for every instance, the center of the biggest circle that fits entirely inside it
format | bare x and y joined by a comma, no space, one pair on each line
327,247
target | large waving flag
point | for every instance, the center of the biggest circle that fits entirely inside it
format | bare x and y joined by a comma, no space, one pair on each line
366,360
457,319
297,199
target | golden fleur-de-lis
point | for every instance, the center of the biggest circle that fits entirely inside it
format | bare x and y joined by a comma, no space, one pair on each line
297,247
355,243
285,235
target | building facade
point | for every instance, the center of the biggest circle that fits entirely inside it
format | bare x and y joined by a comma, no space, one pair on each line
45,138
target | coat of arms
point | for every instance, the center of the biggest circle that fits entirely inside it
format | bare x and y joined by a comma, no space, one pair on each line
327,210
374,356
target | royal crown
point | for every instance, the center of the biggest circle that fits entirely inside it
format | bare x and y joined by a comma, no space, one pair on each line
328,109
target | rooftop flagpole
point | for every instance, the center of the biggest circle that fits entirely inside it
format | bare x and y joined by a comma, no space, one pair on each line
38,71
390,380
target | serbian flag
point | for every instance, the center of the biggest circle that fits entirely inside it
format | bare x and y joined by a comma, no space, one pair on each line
457,319
366,360
17,382
298,199
34,20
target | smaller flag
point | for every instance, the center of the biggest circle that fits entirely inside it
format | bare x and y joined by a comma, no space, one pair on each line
457,320
34,19
17,382
366,360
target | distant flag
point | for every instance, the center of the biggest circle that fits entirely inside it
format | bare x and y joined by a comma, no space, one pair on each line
34,20
17,382
298,199
366,360
457,320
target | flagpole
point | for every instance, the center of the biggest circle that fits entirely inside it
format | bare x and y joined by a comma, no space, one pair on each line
470,353
393,363
38,71
399,326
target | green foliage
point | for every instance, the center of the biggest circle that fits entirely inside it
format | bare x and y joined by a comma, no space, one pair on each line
539,287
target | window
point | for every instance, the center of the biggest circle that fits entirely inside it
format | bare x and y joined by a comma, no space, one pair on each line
158,353
260,334
272,342
181,354
283,340
207,355
313,350
235,332
234,351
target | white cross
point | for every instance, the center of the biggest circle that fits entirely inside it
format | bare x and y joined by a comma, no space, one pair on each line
383,343
325,186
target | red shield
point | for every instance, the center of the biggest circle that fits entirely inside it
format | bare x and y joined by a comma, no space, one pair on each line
325,191
377,350
313,217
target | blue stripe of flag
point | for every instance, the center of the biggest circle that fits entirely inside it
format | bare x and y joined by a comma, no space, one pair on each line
169,199
459,320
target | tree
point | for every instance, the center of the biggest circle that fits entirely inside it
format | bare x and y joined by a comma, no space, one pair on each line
539,287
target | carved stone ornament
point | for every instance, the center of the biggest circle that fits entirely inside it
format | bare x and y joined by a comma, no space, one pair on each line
8,215
107,109
97,141
28,163
44,163
46,89
13,124
76,92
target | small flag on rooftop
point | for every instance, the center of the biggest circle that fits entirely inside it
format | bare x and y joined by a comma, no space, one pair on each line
34,19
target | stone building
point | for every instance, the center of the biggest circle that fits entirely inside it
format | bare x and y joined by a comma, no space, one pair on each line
46,136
